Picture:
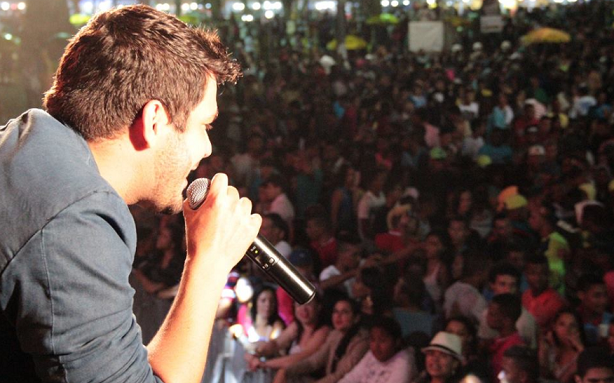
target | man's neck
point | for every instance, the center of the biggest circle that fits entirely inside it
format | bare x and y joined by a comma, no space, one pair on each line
116,163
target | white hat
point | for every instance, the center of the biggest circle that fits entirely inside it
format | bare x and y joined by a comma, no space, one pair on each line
447,343
537,150
477,46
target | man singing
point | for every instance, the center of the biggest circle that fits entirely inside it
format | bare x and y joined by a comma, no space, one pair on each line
126,120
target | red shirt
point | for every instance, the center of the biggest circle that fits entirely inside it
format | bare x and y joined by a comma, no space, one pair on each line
544,306
389,242
327,252
285,306
498,347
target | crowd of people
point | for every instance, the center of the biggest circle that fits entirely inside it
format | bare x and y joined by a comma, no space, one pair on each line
454,210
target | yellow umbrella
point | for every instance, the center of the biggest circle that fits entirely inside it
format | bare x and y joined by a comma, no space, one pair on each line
352,43
384,18
79,19
546,35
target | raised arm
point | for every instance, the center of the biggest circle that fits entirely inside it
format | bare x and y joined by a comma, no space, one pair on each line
218,235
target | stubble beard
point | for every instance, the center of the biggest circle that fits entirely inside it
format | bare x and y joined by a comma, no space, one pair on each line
171,167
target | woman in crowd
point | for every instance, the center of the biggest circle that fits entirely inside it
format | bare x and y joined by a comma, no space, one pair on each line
304,336
560,347
437,277
443,357
342,350
472,363
264,323
387,361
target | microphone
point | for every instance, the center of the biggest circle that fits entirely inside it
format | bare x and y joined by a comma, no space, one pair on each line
263,253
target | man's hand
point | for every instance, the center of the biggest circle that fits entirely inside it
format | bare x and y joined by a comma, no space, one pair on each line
222,226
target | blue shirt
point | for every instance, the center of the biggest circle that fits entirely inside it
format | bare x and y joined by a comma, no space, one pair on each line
66,250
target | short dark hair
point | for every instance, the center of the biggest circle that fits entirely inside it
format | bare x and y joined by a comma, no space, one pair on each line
593,357
128,56
588,280
388,324
526,360
503,268
276,180
537,259
279,223
509,305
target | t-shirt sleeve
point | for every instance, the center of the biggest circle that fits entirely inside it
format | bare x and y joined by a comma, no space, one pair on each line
70,300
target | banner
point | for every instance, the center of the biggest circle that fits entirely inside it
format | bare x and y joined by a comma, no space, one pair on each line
426,36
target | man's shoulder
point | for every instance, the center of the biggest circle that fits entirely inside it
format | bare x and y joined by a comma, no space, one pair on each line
45,167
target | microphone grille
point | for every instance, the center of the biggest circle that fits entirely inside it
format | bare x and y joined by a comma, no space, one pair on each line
197,192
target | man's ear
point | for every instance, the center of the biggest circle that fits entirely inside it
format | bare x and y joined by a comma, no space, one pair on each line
577,379
147,127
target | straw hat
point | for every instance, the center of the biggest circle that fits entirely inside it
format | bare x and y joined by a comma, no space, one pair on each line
447,343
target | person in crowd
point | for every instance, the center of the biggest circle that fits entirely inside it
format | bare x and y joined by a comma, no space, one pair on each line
593,308
398,219
340,275
372,289
321,239
387,360
372,200
275,230
519,365
594,365
245,164
553,245
560,346
505,279
408,297
302,338
443,357
437,276
474,362
463,238
303,261
344,347
263,323
343,201
278,201
540,300
464,296
503,312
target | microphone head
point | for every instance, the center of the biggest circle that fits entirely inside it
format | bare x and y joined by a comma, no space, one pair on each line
197,192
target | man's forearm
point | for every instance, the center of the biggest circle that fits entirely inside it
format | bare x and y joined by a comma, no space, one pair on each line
178,352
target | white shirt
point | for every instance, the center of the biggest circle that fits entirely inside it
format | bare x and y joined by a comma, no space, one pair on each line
284,248
401,368
369,202
332,271
282,206
471,146
463,299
